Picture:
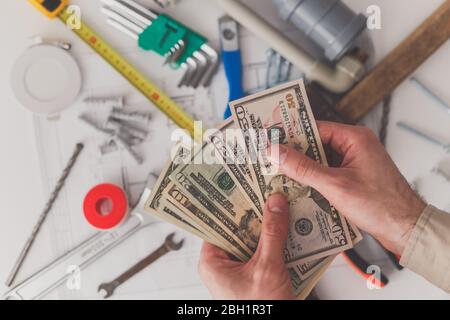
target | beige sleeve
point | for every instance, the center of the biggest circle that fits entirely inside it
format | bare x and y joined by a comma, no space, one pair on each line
427,252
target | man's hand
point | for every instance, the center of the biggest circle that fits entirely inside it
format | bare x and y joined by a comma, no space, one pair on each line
264,276
368,188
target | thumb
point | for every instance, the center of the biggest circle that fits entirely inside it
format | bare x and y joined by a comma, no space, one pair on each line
274,231
299,167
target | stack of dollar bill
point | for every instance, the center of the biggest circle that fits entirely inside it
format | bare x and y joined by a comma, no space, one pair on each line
217,189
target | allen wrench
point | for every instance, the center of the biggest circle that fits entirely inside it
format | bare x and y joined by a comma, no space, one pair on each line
181,47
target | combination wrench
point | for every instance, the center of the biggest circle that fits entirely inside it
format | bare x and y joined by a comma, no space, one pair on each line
168,246
41,283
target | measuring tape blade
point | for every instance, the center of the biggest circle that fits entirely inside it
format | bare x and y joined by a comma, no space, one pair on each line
129,72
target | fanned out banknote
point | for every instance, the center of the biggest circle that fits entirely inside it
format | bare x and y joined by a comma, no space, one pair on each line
283,116
217,190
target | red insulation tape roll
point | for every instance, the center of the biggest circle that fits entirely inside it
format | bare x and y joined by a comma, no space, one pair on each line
105,206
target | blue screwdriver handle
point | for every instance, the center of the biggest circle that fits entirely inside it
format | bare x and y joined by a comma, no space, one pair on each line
233,69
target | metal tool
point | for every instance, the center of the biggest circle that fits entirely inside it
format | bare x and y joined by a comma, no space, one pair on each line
385,118
232,60
126,145
168,246
441,172
154,94
166,3
180,46
133,116
423,135
116,102
397,66
123,138
40,284
95,126
278,69
422,87
124,127
48,207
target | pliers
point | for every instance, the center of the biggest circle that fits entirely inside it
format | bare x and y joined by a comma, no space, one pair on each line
361,266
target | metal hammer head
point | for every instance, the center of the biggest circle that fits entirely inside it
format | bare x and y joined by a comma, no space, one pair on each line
172,245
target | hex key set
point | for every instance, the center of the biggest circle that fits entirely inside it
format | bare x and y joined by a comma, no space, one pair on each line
180,46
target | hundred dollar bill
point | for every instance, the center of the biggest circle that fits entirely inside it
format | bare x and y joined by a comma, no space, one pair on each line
162,206
230,152
283,116
210,187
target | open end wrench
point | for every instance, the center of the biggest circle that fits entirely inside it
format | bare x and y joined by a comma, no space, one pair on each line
168,246
44,281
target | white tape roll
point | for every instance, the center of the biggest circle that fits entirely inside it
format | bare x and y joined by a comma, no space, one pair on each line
46,79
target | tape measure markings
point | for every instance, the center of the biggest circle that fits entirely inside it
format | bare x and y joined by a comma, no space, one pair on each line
137,79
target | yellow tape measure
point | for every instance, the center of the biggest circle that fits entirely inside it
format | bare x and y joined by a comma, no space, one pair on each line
136,78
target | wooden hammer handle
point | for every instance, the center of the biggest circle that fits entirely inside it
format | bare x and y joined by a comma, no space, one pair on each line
397,65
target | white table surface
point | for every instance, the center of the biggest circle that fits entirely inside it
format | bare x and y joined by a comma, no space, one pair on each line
22,195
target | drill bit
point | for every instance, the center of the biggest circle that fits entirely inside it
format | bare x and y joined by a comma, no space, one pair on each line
423,135
53,196
430,93
441,172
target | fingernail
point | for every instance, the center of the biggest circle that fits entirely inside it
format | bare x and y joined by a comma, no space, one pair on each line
278,154
277,203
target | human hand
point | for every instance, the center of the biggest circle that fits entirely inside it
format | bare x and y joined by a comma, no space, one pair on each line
264,276
367,188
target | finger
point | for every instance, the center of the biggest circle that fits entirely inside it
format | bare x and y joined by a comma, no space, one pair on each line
211,252
211,258
299,167
340,137
274,229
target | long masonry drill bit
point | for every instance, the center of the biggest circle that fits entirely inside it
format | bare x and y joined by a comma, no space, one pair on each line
48,207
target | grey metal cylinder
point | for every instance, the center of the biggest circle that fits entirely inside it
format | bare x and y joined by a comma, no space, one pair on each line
329,23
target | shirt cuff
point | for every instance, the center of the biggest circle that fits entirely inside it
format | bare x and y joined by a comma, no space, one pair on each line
427,252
